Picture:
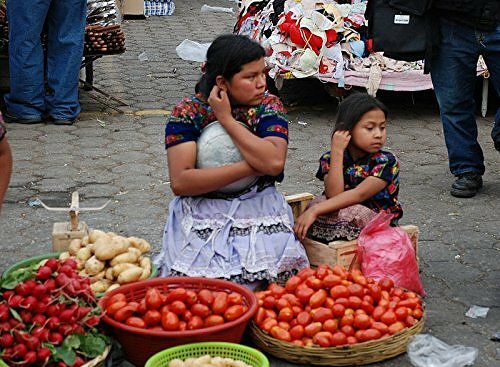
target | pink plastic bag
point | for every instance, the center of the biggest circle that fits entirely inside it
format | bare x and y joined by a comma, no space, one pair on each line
387,251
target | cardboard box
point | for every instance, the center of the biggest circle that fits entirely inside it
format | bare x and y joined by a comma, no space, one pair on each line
131,7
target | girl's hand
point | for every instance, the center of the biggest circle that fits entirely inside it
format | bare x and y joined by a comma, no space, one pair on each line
303,222
219,101
340,140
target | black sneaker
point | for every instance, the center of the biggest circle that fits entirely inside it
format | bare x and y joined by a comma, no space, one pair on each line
497,143
63,121
10,119
467,185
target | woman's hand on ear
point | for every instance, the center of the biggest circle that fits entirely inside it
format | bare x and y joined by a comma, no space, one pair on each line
219,101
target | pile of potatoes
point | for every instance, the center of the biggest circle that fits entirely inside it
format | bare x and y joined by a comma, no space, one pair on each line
207,361
110,260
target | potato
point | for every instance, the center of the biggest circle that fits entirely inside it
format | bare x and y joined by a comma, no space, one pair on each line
85,241
91,247
74,246
83,254
94,266
134,251
117,269
126,257
98,276
176,363
129,275
100,286
95,234
108,250
64,256
113,286
140,243
109,274
80,264
146,273
145,262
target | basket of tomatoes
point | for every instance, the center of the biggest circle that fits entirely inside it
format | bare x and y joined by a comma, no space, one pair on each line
333,317
149,316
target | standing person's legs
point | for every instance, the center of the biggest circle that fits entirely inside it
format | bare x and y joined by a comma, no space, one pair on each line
454,77
491,53
66,31
25,101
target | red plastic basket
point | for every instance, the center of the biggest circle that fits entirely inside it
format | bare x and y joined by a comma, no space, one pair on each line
140,344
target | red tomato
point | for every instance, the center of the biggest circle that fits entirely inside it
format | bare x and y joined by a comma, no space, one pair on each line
342,301
355,290
117,297
374,291
322,314
352,340
260,316
322,271
358,277
304,294
370,334
271,313
380,326
296,310
153,299
220,303
234,298
396,327
268,323
417,313
213,320
304,318
195,323
348,330
331,280
409,302
285,314
152,317
329,302
386,284
312,329
178,307
362,321
347,320
323,339
305,273
318,298
294,301
401,313
340,271
300,343
388,318
331,325
113,307
410,321
136,322
282,303
367,307
297,332
188,315
170,321
205,297
338,310
354,302
182,325
280,334
308,342
314,283
292,283
284,325
269,302
277,290
124,313
200,310
339,338
142,306
191,297
339,291
234,312
178,294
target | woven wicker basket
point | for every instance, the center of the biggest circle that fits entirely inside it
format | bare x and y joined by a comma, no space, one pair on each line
348,355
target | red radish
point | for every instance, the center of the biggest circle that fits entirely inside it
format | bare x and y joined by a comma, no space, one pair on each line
39,319
66,270
6,340
22,289
32,343
14,324
25,316
44,272
28,303
52,264
41,333
40,307
50,284
67,315
62,279
29,358
71,263
52,322
92,321
81,312
43,354
78,362
8,294
4,312
53,310
55,338
39,291
19,350
15,301
65,329
4,326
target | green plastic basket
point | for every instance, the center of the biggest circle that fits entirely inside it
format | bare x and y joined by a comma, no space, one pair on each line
3,364
243,353
36,259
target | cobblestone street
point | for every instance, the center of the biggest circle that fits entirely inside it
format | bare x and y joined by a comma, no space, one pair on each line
121,157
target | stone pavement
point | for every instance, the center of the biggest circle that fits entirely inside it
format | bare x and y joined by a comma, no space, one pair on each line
107,155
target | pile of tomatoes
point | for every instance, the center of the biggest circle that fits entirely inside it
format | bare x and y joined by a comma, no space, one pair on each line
329,307
178,309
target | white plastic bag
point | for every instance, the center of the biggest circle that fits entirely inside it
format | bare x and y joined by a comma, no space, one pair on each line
215,9
192,51
424,350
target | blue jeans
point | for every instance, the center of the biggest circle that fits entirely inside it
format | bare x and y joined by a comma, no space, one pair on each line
65,21
454,76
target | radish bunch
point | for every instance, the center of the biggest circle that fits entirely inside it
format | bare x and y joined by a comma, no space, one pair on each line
47,314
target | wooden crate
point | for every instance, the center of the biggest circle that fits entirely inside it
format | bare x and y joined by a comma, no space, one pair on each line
336,252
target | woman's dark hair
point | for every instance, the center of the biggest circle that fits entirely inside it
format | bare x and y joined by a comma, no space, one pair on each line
354,107
226,56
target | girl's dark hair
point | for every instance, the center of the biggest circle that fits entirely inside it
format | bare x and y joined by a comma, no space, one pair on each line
226,56
354,107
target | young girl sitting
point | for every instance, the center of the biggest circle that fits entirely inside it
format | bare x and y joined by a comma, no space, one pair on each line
360,178
244,236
